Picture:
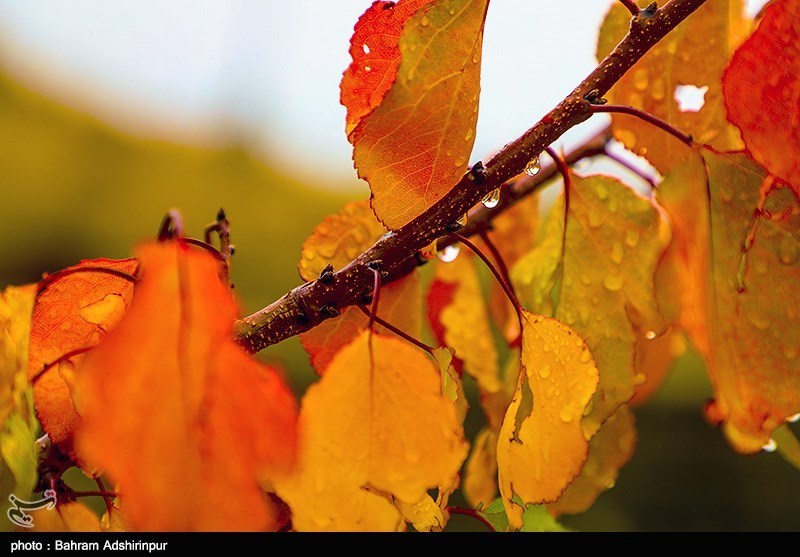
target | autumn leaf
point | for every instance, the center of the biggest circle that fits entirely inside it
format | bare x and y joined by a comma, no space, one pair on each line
376,428
75,309
375,50
452,387
655,356
694,54
542,447
336,241
761,88
68,517
513,233
460,320
609,451
179,416
411,143
480,474
598,280
18,425
726,279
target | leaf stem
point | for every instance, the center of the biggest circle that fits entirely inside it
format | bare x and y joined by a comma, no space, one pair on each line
103,494
472,513
631,6
107,496
645,116
50,279
512,297
61,358
402,334
630,167
498,258
376,296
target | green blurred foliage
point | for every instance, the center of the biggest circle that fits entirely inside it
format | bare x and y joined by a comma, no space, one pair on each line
77,188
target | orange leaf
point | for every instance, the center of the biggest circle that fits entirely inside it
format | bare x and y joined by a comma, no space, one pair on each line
480,473
761,87
740,308
542,447
377,427
75,308
336,241
609,451
184,421
654,358
693,54
413,147
375,50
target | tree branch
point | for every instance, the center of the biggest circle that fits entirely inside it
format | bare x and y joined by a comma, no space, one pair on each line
299,310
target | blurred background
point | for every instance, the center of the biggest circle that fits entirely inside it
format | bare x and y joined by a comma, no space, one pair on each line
113,112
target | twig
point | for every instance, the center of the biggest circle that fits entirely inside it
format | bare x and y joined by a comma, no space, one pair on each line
512,297
300,309
631,168
402,334
632,7
647,117
474,514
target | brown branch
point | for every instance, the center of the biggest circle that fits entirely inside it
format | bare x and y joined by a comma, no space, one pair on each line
300,309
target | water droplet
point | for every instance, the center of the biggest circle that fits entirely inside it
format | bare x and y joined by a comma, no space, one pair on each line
308,254
639,379
462,220
794,418
595,219
650,335
492,199
365,48
658,90
610,483
770,446
425,21
448,254
788,251
533,167
476,58
617,253
586,357
632,238
602,191
641,79
452,11
586,280
613,283
545,371
726,194
566,415
759,320
367,68
470,134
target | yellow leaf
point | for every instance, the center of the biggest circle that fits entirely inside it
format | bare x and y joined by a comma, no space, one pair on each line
460,320
17,420
452,387
740,306
542,447
69,517
425,515
480,475
414,146
695,54
609,451
375,428
601,285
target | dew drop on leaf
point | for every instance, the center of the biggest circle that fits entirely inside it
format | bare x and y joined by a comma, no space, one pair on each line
448,254
770,446
492,199
545,371
650,335
794,419
533,167
788,251
613,283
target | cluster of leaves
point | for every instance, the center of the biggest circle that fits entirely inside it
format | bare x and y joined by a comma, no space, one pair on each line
134,373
